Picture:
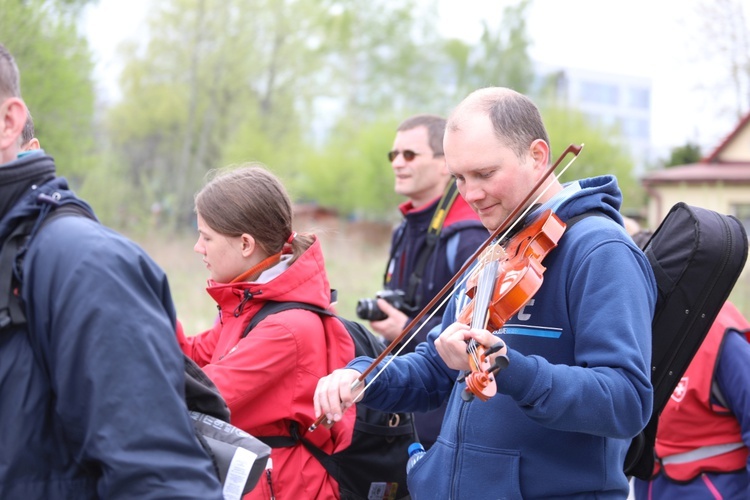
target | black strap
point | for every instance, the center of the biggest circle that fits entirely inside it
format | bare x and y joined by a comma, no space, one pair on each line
294,438
413,292
11,259
271,307
11,308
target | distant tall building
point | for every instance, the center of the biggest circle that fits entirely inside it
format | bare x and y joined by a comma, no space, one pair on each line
608,99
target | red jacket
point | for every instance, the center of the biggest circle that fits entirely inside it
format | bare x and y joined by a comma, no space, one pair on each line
695,435
268,378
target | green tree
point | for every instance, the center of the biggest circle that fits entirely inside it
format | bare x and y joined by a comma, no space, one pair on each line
352,172
684,155
217,82
500,58
724,39
56,67
604,151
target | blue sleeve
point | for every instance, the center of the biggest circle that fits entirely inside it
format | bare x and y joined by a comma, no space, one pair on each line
417,381
102,314
733,379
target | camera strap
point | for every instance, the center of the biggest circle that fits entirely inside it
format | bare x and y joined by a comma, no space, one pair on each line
413,293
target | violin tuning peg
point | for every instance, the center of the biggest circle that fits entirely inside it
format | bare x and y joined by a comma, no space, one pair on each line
495,347
467,396
501,362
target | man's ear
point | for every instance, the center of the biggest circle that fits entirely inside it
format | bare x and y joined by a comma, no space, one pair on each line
32,144
12,121
539,151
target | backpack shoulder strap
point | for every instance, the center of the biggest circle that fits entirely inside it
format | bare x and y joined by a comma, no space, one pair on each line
295,437
272,307
11,309
11,259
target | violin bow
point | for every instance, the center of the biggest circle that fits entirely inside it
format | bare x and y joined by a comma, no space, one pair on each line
505,227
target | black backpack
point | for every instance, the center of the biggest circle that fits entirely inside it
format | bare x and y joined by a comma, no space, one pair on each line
238,458
697,256
374,465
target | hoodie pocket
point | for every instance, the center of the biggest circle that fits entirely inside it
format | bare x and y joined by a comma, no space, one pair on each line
472,472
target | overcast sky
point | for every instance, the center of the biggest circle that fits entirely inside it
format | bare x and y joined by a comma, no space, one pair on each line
644,38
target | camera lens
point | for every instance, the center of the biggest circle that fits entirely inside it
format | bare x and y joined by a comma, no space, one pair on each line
368,309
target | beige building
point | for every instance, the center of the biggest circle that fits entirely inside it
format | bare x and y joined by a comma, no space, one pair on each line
720,181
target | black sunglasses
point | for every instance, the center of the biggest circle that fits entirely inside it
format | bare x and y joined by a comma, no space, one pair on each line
409,155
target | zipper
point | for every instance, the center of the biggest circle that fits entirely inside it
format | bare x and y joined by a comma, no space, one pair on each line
457,455
269,468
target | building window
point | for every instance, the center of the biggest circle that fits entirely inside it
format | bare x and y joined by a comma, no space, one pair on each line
599,93
639,98
636,128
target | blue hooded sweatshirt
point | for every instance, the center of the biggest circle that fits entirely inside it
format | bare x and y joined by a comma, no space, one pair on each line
577,387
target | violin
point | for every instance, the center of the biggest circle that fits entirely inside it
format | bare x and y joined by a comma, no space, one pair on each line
503,303
506,277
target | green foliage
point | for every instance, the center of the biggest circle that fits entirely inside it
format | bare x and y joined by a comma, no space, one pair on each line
218,81
352,172
603,152
55,65
500,58
313,89
684,155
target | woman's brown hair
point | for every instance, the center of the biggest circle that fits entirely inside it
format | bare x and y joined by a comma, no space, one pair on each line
250,199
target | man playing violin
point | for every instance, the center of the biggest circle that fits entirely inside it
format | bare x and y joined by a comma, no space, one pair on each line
576,388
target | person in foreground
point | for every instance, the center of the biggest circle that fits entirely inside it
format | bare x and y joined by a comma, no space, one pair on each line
92,388
703,436
433,213
577,386
268,376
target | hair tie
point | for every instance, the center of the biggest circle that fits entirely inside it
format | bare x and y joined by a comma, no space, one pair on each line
291,237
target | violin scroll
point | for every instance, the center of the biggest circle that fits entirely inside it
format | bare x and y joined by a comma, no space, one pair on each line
480,379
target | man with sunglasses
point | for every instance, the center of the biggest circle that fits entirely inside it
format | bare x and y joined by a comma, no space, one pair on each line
439,231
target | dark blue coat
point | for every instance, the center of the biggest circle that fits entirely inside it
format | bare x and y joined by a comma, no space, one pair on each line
461,235
92,394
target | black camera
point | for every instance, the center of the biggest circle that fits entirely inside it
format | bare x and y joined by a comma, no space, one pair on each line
368,308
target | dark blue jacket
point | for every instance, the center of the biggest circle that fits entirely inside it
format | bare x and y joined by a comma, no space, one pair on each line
462,233
92,393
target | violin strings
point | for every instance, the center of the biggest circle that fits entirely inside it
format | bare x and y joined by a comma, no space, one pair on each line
457,285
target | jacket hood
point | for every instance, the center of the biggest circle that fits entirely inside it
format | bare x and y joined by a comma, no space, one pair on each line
305,280
600,194
38,198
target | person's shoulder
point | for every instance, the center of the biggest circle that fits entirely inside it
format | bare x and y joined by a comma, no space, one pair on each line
594,227
73,241
462,217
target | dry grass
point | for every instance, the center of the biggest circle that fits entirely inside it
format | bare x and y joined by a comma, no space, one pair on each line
355,256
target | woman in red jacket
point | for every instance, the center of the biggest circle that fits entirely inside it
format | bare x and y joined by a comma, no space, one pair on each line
268,377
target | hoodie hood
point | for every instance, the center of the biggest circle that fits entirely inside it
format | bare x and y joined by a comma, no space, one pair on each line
599,194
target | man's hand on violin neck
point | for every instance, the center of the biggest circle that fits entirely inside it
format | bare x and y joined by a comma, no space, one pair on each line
333,394
451,345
